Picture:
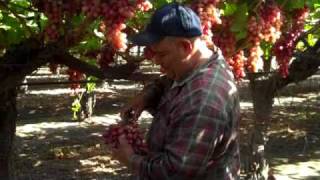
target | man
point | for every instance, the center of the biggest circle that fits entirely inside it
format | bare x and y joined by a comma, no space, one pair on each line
194,133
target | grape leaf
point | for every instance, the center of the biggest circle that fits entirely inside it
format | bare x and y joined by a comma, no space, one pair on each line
239,27
229,9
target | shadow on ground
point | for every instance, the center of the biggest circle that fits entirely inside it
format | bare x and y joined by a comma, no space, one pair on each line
50,145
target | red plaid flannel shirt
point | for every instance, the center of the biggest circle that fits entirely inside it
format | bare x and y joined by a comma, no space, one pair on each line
194,134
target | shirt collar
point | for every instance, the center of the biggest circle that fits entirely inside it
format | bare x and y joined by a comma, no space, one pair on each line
194,72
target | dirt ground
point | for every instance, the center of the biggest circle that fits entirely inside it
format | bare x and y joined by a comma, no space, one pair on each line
50,145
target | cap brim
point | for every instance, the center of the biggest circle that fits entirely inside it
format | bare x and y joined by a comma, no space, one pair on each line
144,39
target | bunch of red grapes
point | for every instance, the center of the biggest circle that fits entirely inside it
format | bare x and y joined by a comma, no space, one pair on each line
271,21
226,41
266,27
237,64
115,14
254,38
132,133
254,31
209,15
56,10
74,75
255,53
284,47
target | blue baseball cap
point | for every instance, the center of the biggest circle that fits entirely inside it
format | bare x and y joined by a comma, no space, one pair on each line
170,20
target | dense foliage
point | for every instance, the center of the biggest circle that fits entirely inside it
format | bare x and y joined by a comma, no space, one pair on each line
249,33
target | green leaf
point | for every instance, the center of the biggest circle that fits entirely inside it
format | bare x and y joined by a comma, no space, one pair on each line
229,9
266,48
11,21
159,3
22,3
76,20
316,15
91,86
3,41
75,107
311,40
296,4
91,43
239,27
313,3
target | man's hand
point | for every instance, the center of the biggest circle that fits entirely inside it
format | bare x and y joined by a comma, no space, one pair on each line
123,152
133,110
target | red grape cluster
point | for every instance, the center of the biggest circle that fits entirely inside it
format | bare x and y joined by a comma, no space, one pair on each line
132,133
74,76
106,56
267,27
237,64
254,31
52,9
254,38
271,22
225,39
56,10
255,53
284,47
209,16
115,14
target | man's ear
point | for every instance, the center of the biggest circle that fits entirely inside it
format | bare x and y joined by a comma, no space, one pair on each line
186,45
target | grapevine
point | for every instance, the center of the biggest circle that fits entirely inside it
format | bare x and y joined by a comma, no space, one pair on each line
284,47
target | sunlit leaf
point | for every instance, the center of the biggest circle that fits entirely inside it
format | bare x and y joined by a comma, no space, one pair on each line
229,9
